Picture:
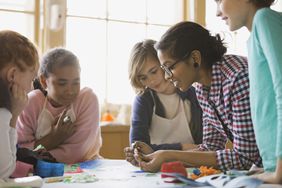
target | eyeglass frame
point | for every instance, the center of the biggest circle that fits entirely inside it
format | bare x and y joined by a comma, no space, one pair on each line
168,70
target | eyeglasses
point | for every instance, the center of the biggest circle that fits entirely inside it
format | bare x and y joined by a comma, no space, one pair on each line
168,70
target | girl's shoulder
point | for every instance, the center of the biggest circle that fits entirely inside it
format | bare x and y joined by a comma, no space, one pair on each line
86,91
87,95
266,16
266,12
36,96
145,99
148,95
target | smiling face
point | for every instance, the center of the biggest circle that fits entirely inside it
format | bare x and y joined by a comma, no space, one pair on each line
152,76
63,85
183,73
235,13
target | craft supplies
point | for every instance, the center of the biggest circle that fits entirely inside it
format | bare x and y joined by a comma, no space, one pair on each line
56,179
173,167
49,169
81,178
73,168
39,147
67,119
203,171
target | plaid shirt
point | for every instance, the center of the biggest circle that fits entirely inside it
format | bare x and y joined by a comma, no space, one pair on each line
229,95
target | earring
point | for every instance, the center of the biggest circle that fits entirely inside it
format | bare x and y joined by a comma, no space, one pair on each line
196,65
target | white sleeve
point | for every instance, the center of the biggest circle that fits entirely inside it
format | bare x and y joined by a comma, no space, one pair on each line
8,140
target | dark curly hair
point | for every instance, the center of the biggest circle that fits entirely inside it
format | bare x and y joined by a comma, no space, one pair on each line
184,37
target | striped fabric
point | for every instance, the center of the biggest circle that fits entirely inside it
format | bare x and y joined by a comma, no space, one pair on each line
229,94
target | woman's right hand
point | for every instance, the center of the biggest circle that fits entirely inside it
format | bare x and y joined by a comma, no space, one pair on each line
142,147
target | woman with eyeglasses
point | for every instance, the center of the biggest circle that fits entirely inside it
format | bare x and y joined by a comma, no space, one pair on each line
162,117
189,54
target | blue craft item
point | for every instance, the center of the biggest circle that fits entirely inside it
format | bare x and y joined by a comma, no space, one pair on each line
139,171
48,169
197,172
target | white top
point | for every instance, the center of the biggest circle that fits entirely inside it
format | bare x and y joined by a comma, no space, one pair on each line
174,128
171,104
8,141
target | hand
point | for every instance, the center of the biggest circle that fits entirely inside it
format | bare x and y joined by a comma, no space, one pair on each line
129,156
43,154
269,177
255,170
141,147
62,130
18,100
151,162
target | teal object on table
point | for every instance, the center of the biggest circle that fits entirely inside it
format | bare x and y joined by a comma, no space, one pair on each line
49,169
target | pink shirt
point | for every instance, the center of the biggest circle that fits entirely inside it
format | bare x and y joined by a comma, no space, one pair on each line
83,145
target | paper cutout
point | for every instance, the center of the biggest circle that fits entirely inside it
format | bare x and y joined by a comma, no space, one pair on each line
81,178
72,169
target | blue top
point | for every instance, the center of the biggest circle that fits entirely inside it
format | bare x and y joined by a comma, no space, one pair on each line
143,111
265,73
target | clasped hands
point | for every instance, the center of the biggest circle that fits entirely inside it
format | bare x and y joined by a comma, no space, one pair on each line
142,155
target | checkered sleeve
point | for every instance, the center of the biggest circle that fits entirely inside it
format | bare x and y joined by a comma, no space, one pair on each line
213,140
245,151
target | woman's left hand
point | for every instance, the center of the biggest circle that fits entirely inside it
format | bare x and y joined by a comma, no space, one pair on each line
151,162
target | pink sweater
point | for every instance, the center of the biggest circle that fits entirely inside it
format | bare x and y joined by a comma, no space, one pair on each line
83,145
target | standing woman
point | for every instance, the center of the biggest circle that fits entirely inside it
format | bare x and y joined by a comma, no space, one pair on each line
265,71
162,117
64,118
18,67
189,54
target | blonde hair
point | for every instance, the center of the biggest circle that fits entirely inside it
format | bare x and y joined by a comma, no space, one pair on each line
18,50
138,56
